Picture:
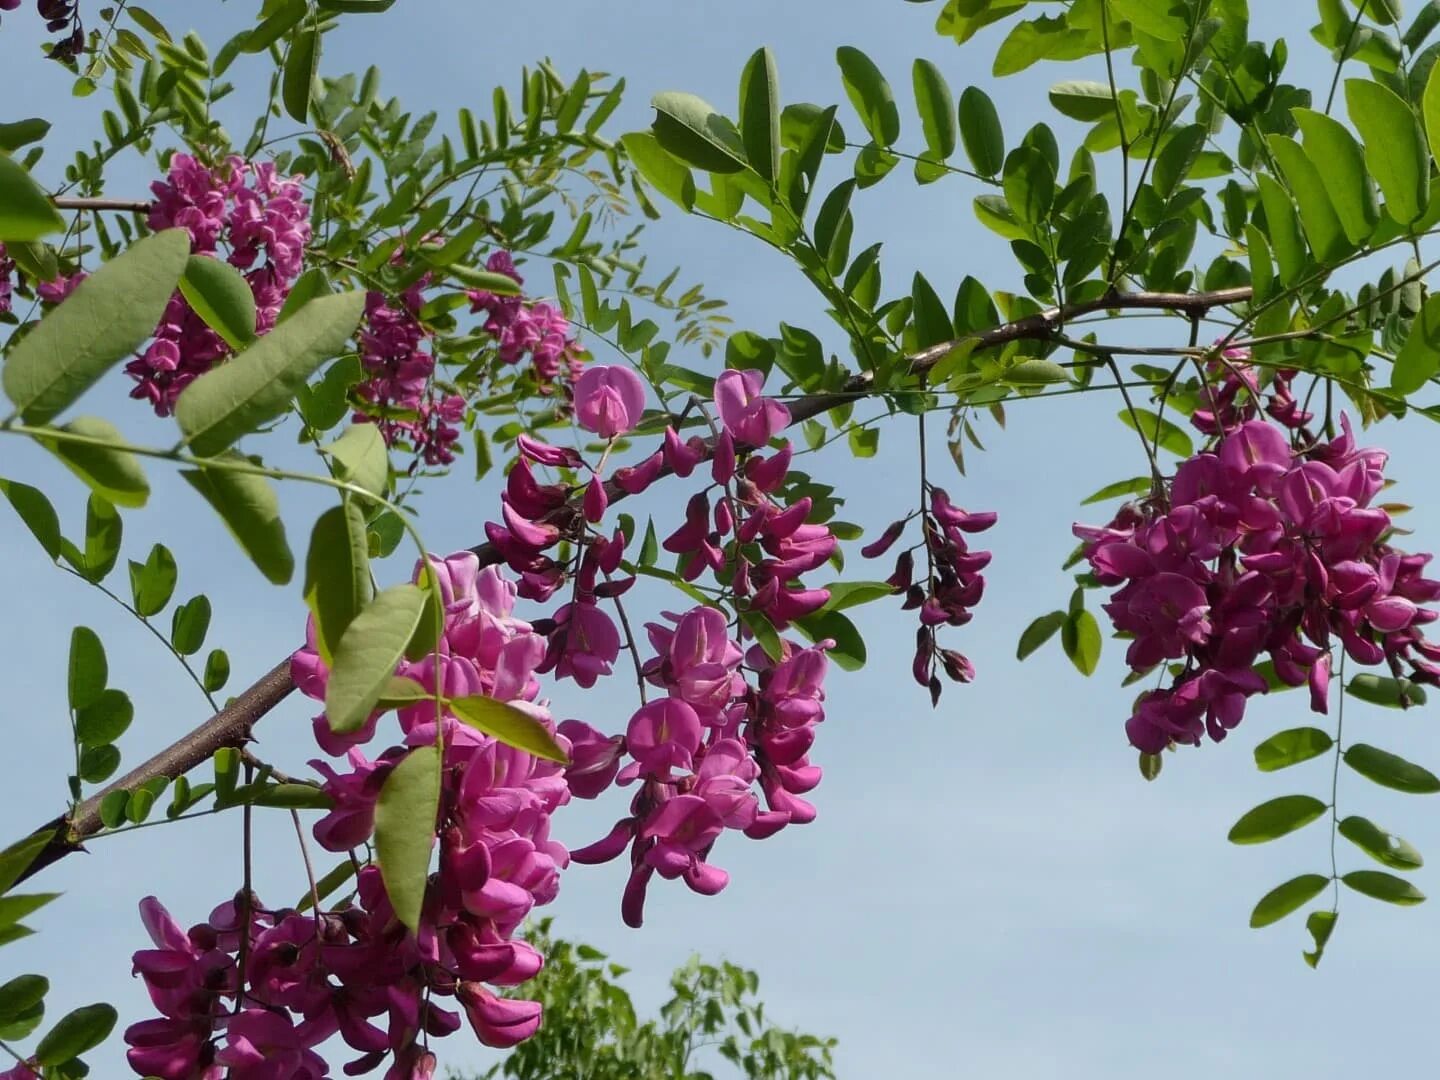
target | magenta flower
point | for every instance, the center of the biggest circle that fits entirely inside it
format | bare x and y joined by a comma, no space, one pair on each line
609,399
748,416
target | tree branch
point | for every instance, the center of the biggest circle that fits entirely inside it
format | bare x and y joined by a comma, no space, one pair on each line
71,202
231,726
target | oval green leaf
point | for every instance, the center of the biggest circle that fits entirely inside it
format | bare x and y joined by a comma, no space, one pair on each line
870,94
220,295
510,725
980,131
1390,770
367,654
258,385
248,505
405,830
26,212
690,129
1283,899
75,1033
1276,818
337,573
1394,147
108,316
1383,847
1383,886
110,471
1291,747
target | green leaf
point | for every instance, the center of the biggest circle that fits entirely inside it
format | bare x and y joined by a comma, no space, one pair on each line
405,830
189,625
1430,110
871,95
221,296
691,130
108,316
849,649
275,24
332,880
104,531
1080,638
1039,632
1283,899
22,133
1034,371
1081,99
828,222
21,994
251,511
110,471
1394,147
337,573
1381,846
1156,430
849,594
1276,818
1317,214
361,457
36,512
309,285
1383,886
290,797
105,719
980,131
25,1022
1284,228
258,385
217,670
1390,770
931,316
1419,358
98,764
1176,158
88,669
153,582
936,106
75,1033
1137,486
16,858
365,659
509,724
864,442
1290,747
1383,690
16,906
26,212
1029,184
1321,925
660,170
760,114
1346,181
302,64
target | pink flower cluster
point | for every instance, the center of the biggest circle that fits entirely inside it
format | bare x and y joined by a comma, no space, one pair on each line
697,753
263,220
1262,547
521,326
952,584
401,393
357,971
306,979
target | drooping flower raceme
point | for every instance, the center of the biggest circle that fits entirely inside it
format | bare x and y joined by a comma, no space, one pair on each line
1260,547
259,222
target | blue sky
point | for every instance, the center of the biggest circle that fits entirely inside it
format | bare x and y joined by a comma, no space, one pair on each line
990,887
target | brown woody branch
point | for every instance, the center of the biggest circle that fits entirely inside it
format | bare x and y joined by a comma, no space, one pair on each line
231,726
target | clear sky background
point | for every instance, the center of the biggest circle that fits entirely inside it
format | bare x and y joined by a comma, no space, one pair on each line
990,888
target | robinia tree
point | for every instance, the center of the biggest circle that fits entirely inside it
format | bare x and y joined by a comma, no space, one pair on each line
352,295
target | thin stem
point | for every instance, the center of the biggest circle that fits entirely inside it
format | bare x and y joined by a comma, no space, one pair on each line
1335,783
1345,54
245,894
1155,472
309,869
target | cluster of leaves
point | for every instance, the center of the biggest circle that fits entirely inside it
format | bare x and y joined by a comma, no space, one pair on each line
592,1029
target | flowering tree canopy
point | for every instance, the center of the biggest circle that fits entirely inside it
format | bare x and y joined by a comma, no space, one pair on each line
355,298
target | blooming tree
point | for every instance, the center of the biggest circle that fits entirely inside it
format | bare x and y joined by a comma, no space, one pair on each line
394,293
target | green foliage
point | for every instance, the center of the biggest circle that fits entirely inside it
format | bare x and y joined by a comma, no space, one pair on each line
405,830
712,1025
